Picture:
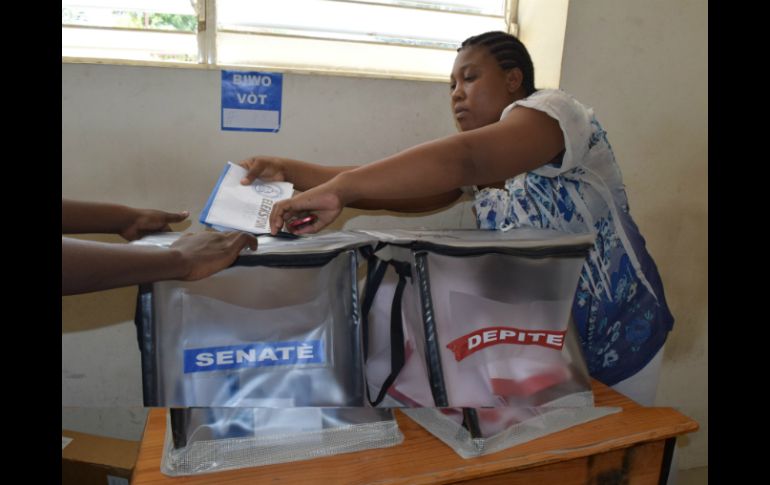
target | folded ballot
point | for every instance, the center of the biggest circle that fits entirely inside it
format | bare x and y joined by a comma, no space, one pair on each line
243,207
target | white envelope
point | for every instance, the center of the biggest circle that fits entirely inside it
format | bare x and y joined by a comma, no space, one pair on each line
243,207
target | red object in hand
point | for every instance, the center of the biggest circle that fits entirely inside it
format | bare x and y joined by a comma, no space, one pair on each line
302,221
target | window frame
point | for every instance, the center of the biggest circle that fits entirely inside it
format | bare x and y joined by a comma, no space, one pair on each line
208,59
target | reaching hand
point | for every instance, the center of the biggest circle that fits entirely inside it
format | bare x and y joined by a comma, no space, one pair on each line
269,169
206,253
148,221
322,201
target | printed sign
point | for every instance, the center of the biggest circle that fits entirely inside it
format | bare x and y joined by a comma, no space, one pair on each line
251,101
486,337
260,354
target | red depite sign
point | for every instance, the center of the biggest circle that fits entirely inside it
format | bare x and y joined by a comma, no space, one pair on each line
486,337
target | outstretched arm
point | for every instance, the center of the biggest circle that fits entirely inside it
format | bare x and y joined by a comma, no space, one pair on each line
91,266
303,175
522,141
306,176
79,217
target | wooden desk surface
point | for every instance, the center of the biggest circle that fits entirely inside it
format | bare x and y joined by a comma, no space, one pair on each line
423,459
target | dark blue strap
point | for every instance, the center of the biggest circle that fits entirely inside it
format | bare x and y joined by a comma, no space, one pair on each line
374,275
397,355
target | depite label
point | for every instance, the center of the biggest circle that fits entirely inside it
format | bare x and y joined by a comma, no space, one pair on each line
486,337
260,354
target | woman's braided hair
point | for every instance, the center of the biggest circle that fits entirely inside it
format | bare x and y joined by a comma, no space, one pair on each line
509,53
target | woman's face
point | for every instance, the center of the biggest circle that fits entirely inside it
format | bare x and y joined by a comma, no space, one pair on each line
479,89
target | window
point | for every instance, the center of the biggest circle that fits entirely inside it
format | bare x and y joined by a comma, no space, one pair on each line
414,39
137,30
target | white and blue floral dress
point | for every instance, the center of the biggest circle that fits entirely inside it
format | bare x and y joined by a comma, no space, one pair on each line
619,309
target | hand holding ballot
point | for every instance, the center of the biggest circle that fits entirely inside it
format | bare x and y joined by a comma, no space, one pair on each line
323,201
233,205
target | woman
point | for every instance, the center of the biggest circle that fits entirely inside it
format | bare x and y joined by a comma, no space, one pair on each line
532,158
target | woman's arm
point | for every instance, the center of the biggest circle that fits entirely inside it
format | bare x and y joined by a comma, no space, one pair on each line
522,141
306,176
303,175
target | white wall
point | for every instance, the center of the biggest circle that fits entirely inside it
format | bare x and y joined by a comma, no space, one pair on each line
643,67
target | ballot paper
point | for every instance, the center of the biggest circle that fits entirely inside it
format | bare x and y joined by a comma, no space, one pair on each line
243,207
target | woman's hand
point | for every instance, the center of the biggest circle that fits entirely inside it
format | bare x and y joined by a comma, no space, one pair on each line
269,169
323,201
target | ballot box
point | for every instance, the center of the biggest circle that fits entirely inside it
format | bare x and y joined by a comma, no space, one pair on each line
471,330
280,328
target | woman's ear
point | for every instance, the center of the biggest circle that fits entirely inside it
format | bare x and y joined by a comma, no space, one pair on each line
514,79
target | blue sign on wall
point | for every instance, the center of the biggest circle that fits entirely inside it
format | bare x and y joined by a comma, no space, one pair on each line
251,101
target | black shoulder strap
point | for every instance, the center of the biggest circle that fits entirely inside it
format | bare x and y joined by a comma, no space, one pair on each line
397,356
375,272
471,422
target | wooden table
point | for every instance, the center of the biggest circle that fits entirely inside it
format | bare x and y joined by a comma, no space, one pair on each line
630,447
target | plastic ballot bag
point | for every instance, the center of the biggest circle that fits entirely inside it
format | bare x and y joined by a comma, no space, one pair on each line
478,323
472,432
280,328
204,440
484,317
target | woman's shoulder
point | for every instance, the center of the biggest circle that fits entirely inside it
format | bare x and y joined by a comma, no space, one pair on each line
554,97
557,103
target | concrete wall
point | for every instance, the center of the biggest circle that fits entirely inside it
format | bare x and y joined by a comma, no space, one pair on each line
643,67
